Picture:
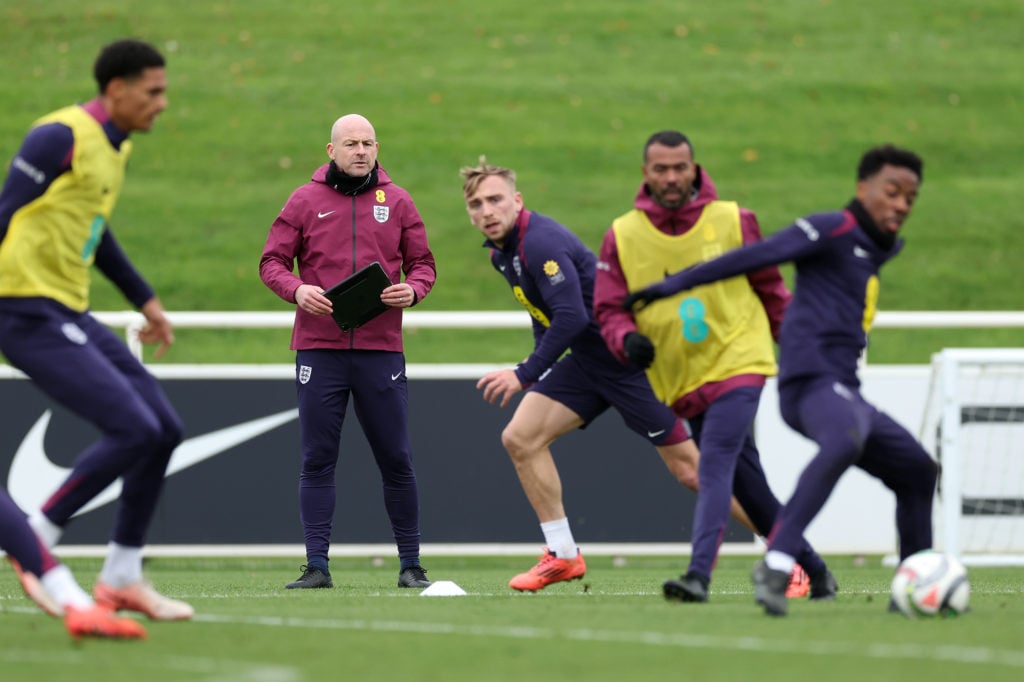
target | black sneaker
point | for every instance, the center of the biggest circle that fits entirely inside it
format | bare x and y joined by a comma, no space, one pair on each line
311,578
823,586
770,589
689,588
414,576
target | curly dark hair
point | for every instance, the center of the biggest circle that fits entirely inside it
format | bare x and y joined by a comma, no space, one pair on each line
888,154
126,58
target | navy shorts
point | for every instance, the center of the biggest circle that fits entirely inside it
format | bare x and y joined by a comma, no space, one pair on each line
589,391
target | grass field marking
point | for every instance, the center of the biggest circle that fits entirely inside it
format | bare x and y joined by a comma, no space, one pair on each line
879,650
199,668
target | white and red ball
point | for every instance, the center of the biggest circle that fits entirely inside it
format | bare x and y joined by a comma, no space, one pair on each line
931,583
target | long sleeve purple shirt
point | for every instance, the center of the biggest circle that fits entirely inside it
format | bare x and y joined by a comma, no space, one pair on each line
825,329
554,271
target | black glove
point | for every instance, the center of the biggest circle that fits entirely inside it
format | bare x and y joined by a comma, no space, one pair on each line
639,349
643,297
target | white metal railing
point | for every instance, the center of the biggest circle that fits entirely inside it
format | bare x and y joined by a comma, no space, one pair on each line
132,321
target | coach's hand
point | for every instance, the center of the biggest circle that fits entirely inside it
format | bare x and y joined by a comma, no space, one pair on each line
638,349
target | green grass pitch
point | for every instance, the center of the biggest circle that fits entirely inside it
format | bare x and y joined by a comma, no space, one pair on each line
612,625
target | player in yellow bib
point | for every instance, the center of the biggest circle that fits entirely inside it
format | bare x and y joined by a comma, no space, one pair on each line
714,344
55,205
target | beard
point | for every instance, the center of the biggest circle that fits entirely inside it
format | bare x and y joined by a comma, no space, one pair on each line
671,197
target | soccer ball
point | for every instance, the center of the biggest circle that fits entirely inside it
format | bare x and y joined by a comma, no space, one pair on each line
930,583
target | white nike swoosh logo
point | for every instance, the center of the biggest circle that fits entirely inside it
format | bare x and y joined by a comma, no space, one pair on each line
324,215
33,477
860,253
395,376
655,434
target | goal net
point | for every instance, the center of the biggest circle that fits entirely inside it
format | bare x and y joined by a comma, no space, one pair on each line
974,426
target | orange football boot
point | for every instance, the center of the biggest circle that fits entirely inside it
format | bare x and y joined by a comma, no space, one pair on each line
550,569
799,583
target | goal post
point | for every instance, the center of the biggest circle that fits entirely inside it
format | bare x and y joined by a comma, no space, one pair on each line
974,426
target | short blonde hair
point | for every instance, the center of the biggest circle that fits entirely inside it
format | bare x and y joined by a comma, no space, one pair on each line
472,176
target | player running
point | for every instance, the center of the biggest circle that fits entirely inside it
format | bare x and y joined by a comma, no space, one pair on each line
838,256
551,274
63,186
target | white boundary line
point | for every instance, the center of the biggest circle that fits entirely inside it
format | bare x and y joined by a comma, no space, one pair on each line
966,655
427,550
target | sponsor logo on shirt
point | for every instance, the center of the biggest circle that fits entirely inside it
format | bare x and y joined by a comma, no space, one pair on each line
554,273
808,229
28,169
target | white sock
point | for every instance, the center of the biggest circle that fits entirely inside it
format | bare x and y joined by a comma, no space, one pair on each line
559,540
47,530
123,565
777,561
65,590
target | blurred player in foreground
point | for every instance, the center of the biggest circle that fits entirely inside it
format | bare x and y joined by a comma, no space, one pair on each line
838,256
54,210
50,584
551,274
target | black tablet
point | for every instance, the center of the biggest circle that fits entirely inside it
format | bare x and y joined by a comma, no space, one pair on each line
356,299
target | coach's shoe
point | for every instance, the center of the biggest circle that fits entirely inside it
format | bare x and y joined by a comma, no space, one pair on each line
689,588
414,576
550,569
35,590
823,586
140,596
770,589
311,577
97,621
799,583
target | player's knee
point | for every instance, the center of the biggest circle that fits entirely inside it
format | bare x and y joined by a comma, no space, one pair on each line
318,472
927,473
148,434
143,429
518,445
172,431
